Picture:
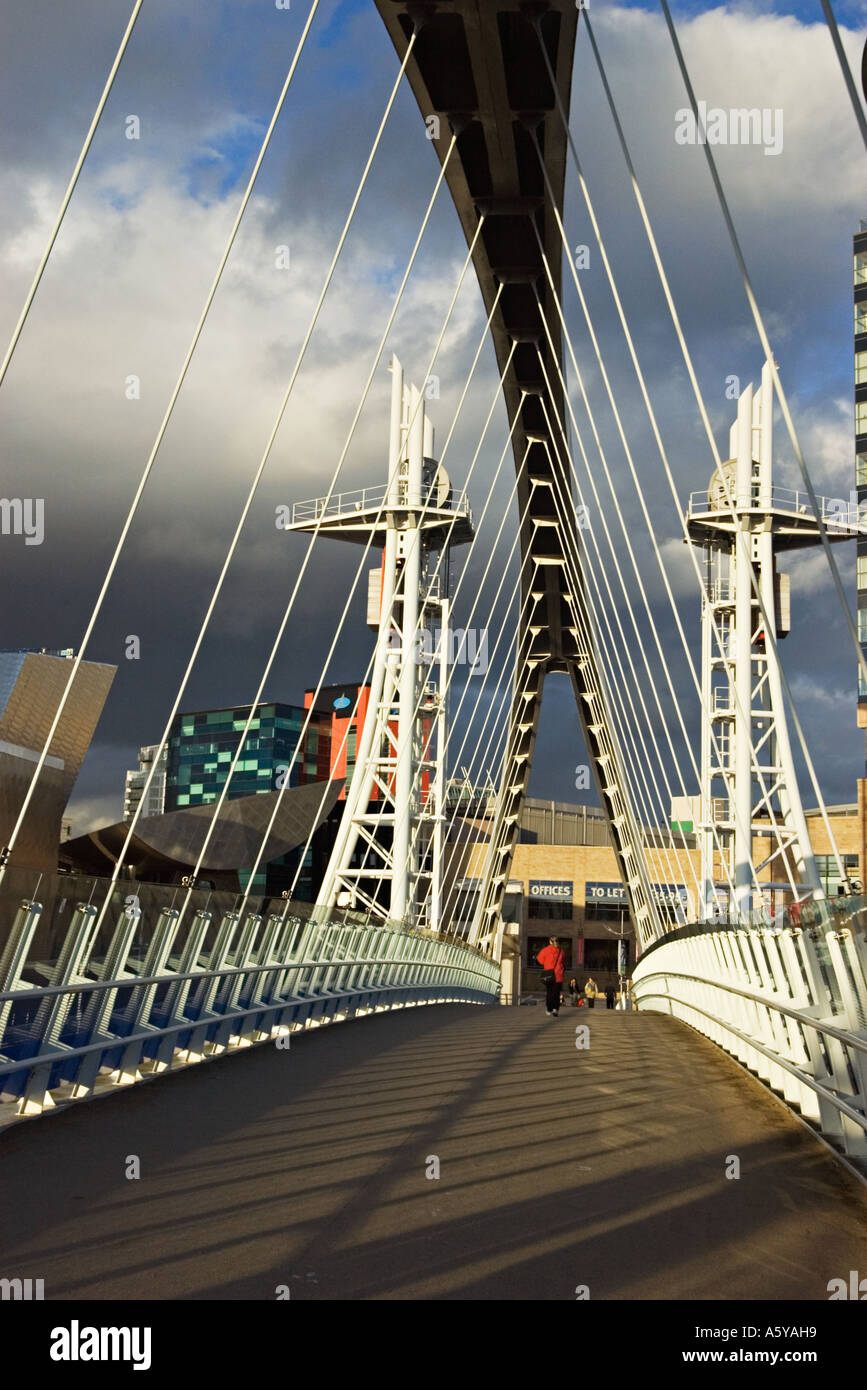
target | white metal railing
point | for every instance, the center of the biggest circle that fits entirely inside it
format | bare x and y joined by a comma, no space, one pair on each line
839,511
339,503
787,999
184,995
363,499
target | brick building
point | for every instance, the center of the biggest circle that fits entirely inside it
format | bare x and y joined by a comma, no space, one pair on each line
565,879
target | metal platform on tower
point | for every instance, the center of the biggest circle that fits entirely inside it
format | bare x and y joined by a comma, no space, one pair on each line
366,514
790,514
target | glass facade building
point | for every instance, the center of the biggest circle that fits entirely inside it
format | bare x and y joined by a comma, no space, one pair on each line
202,745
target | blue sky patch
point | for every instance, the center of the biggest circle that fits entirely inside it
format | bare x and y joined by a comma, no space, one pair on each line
214,170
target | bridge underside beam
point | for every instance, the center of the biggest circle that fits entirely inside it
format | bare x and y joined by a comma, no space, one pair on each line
479,67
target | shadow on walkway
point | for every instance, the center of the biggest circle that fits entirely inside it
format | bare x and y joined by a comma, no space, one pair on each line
557,1168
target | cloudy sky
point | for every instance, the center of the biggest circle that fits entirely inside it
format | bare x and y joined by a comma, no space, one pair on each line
137,252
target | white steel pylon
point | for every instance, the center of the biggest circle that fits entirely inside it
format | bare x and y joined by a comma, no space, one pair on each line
387,856
749,790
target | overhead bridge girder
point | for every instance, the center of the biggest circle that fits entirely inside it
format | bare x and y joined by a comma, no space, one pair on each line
479,67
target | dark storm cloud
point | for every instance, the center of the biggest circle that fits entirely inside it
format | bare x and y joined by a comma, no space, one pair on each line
136,256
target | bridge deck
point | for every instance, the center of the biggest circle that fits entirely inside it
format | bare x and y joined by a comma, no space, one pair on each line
558,1168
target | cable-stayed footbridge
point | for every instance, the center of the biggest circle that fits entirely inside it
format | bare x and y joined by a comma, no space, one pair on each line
105,984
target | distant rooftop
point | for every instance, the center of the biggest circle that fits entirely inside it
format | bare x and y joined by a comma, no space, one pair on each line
68,652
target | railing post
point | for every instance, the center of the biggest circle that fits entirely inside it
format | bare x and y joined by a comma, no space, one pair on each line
14,956
227,1035
138,1012
176,994
53,1013
203,1003
97,1016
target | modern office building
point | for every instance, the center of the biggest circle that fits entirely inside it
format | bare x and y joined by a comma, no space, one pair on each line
341,711
136,779
31,688
189,780
202,744
200,750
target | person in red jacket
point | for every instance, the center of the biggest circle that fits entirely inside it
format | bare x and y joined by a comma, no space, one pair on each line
553,962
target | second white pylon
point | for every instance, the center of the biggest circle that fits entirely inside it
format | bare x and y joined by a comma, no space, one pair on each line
387,856
749,791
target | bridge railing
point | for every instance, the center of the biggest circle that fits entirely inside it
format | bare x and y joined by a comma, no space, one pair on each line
154,988
367,499
834,511
788,1000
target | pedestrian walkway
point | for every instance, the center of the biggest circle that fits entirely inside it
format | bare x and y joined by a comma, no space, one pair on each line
558,1168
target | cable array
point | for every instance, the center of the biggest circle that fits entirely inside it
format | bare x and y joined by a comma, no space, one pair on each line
608,604
148,469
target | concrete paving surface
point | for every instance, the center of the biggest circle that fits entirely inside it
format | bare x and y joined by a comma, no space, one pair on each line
314,1170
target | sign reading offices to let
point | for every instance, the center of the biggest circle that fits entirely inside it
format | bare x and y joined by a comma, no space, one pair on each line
559,889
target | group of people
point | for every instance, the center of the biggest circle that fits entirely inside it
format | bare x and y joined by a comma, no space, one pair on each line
552,959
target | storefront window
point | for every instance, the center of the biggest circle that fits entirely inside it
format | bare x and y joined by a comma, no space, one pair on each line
605,912
600,955
542,911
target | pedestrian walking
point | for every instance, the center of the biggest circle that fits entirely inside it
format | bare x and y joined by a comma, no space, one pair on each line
553,962
609,996
591,990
